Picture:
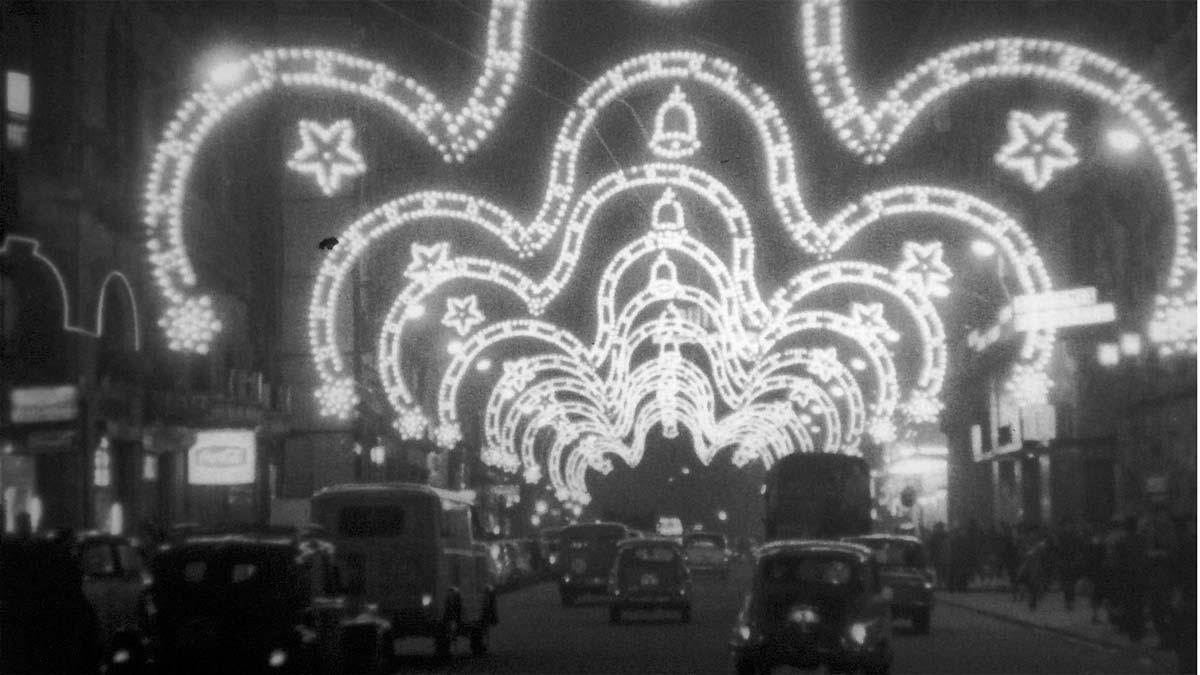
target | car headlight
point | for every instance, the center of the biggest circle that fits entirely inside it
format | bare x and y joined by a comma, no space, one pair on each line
744,632
121,656
858,633
426,600
277,658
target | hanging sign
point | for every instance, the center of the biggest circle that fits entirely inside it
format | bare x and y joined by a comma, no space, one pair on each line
224,457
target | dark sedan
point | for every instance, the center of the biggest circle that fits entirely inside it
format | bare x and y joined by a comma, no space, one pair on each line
814,603
904,566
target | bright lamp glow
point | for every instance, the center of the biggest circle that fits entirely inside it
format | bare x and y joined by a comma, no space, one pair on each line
1108,354
1131,344
226,73
1122,140
981,248
483,365
722,516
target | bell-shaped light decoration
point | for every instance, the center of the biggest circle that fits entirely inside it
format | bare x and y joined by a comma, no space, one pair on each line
668,213
675,128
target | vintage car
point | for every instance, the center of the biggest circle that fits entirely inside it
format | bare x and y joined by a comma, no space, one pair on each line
707,552
261,600
649,574
586,556
811,603
115,581
412,550
904,567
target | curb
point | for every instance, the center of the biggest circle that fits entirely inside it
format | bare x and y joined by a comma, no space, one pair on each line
1166,662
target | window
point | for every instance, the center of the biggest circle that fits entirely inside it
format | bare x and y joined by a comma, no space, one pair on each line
831,571
660,554
18,107
371,521
102,464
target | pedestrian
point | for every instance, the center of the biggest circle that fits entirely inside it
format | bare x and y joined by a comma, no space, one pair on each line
1093,572
1071,553
1161,550
937,551
1130,580
1033,570
1183,601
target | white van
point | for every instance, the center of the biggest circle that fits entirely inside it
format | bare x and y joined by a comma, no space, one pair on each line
409,548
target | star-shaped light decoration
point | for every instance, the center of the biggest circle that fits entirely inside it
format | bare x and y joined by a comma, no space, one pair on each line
462,314
447,435
923,270
870,317
411,424
328,153
1036,148
426,260
533,474
824,364
923,408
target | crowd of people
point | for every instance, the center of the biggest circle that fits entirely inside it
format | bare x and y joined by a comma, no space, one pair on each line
1134,572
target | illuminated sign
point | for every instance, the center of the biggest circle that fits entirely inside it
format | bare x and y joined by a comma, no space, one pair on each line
224,457
1058,318
1063,299
44,404
670,526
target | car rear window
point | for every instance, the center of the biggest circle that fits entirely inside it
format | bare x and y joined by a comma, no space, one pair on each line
658,554
896,553
825,570
371,521
704,541
97,560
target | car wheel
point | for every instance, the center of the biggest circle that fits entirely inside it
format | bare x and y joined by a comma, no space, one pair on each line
479,639
614,614
920,622
686,614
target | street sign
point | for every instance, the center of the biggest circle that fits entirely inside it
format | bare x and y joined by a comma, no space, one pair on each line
44,404
225,457
1062,317
1051,300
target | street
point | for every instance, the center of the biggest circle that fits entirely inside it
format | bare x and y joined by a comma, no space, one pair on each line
537,635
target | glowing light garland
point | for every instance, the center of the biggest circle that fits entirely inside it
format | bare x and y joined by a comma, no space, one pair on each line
740,328
871,134
113,277
1036,148
454,133
774,380
328,153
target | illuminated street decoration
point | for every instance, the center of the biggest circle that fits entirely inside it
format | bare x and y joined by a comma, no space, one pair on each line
675,135
1036,147
8,248
557,413
871,134
328,154
462,314
455,134
923,270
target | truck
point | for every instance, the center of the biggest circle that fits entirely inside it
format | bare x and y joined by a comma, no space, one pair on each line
817,496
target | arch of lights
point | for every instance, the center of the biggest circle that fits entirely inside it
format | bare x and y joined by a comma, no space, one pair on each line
188,318
871,134
569,407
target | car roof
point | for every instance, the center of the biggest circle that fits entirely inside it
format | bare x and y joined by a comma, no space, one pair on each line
253,537
655,540
460,496
704,533
907,538
790,546
589,526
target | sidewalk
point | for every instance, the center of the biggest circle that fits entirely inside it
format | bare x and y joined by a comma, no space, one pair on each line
1053,617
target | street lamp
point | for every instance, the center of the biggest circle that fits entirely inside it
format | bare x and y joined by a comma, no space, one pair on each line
540,507
1131,344
981,248
722,516
1108,354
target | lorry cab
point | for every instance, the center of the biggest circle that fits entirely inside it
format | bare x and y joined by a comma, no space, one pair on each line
410,549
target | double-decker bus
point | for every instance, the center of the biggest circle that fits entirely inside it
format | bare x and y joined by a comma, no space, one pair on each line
817,496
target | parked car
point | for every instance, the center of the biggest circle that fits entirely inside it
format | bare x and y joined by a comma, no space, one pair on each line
904,567
115,582
46,623
649,574
587,552
261,600
811,603
411,549
707,552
